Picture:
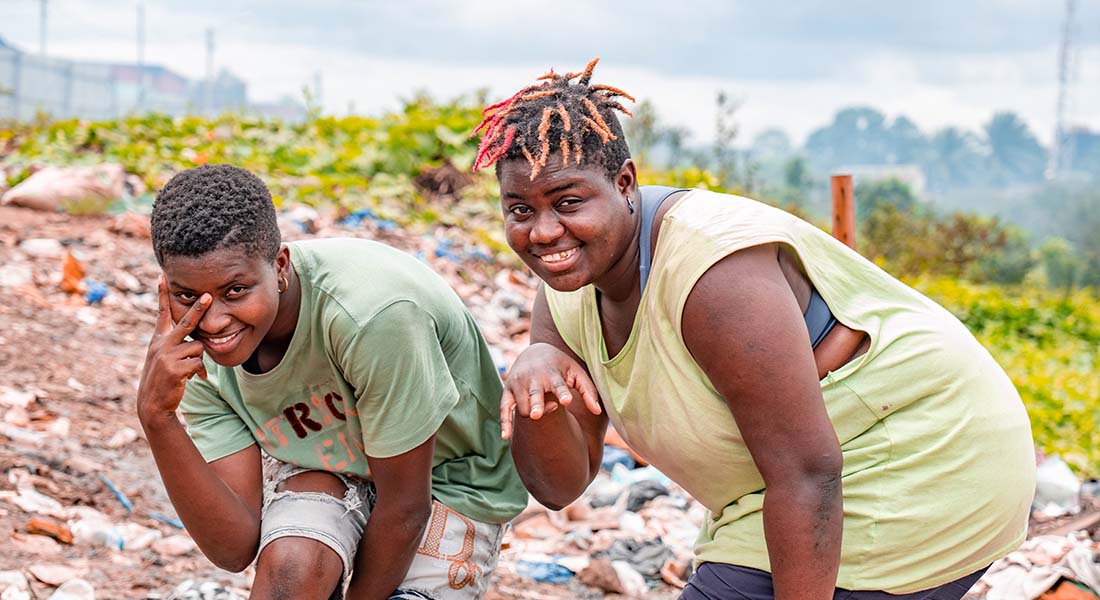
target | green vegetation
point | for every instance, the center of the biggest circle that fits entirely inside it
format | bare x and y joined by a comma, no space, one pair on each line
1038,323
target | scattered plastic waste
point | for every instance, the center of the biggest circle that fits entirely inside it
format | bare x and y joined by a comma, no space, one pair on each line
1056,488
356,218
74,589
129,506
616,456
544,572
98,532
96,291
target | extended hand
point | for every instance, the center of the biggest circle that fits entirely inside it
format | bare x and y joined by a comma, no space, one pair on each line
539,371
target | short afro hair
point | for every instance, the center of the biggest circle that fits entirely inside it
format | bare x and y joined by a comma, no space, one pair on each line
212,207
564,115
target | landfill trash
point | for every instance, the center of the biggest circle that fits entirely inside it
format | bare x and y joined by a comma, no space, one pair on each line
305,218
645,557
676,573
1056,488
72,274
616,456
15,275
14,584
74,589
616,577
33,501
1038,565
1068,590
644,491
16,398
123,437
356,219
129,506
137,537
54,575
132,225
174,545
193,590
42,247
96,291
57,531
174,522
77,190
543,572
97,532
631,477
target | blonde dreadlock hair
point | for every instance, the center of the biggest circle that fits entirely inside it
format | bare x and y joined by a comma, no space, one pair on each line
562,115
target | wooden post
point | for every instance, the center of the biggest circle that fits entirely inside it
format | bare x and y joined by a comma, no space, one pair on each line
844,210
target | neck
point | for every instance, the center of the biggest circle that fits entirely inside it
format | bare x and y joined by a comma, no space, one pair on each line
621,282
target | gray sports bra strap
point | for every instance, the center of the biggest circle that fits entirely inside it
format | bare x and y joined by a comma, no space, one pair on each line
819,318
653,196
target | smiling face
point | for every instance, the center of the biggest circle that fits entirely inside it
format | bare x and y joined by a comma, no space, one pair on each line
570,224
245,292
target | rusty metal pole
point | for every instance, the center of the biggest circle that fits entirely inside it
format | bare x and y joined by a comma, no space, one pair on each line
844,210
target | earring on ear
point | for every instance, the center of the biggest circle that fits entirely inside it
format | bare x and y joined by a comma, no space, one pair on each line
630,204
284,284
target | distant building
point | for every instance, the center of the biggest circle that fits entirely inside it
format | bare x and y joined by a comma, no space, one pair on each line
67,88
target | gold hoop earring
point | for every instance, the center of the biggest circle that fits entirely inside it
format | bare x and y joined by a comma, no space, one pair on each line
284,284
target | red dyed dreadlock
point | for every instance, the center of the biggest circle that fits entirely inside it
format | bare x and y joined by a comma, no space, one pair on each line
557,112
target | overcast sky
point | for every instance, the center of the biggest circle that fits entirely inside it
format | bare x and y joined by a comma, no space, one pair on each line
793,63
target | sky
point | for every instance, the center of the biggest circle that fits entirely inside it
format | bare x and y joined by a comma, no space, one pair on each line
792,64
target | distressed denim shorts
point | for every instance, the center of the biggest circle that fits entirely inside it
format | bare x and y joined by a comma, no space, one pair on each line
455,558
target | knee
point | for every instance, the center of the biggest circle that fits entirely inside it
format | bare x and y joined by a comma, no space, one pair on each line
297,568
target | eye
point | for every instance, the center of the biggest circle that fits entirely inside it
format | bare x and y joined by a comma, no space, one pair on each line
235,291
568,204
520,210
186,297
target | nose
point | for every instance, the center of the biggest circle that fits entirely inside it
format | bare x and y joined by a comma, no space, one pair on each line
546,228
215,319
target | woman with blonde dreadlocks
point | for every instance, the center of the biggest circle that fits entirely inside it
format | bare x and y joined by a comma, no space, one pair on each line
848,436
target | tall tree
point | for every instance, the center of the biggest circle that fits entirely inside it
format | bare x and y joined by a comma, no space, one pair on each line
1015,153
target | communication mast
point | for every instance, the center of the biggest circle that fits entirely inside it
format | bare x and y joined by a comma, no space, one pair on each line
1061,151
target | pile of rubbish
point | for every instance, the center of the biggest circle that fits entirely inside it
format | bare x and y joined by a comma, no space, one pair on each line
82,510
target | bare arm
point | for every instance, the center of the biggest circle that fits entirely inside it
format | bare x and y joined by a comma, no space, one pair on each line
219,502
767,374
557,452
396,524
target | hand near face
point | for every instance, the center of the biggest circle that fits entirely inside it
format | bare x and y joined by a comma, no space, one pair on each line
542,379
170,360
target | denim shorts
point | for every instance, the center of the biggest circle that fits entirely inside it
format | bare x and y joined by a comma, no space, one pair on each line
453,562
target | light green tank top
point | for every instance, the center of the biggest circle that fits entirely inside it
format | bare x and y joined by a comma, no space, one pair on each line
938,459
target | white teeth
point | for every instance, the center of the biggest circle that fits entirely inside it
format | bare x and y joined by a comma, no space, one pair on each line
558,256
222,340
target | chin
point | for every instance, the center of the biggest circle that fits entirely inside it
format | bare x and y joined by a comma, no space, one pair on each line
566,282
228,360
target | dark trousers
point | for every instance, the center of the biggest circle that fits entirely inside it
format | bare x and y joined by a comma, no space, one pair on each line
717,581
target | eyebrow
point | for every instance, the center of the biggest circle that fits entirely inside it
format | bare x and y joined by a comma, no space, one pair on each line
229,282
554,190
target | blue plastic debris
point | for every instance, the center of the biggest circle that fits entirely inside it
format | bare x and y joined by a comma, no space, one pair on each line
129,506
616,456
544,572
174,522
96,291
355,219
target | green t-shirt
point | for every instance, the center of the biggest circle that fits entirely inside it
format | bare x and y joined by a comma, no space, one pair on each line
384,355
